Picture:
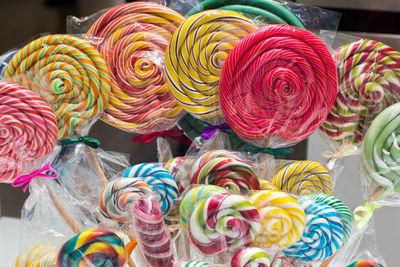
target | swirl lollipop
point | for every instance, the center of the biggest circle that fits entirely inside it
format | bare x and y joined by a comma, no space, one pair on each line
365,264
277,85
268,11
159,180
223,221
250,257
369,73
303,178
95,247
68,74
117,196
134,38
38,256
282,218
196,54
323,234
265,185
28,129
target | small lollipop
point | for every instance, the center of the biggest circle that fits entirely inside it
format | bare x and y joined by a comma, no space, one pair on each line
195,56
368,83
152,236
160,181
250,256
95,247
133,40
223,221
28,129
277,85
195,196
38,256
282,218
303,178
365,264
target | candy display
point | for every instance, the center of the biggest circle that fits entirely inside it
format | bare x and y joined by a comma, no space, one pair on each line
303,178
28,129
224,169
152,236
159,180
368,73
195,196
282,218
133,39
267,75
323,234
68,74
95,247
39,255
365,264
223,221
195,56
117,198
250,256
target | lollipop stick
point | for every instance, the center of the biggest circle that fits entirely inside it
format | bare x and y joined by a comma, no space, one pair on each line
376,194
163,149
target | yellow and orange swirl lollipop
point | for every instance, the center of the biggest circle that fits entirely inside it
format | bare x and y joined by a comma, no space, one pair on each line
66,72
133,39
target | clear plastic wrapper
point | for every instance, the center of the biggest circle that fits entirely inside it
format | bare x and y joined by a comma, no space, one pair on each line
368,83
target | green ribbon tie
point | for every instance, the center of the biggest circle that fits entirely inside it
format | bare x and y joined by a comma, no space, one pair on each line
272,151
92,142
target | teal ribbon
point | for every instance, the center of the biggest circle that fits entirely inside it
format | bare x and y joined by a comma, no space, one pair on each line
363,214
272,151
92,142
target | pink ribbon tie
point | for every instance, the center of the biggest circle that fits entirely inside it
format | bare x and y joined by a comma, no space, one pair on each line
27,179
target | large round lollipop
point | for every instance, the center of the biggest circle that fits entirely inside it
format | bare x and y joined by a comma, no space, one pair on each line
133,39
368,77
277,85
68,74
195,56
28,129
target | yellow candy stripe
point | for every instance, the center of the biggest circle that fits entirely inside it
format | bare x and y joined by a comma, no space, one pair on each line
195,56
38,256
303,178
282,218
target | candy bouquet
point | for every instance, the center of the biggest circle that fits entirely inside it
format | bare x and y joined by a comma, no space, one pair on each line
245,81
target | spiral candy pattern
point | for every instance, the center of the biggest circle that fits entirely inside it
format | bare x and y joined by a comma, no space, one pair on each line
160,181
323,234
267,75
38,256
223,221
152,236
282,218
118,196
28,129
213,154
302,178
368,77
196,54
380,149
265,185
365,264
68,74
250,256
194,264
194,197
97,247
133,40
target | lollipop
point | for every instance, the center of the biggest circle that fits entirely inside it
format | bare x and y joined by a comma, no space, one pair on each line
277,85
381,150
250,257
195,196
194,264
117,196
28,129
38,256
323,234
302,178
196,54
365,264
268,11
369,73
223,221
95,247
282,218
152,237
159,180
265,185
67,73
133,39
225,170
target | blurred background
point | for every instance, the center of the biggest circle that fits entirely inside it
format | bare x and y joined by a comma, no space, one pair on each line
23,19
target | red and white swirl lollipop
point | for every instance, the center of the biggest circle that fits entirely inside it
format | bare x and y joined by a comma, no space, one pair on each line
28,129
277,85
